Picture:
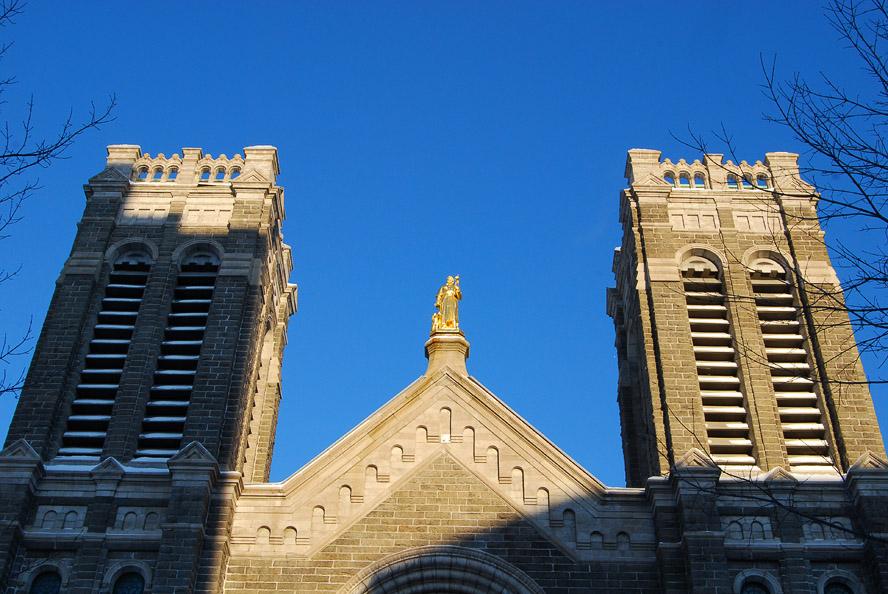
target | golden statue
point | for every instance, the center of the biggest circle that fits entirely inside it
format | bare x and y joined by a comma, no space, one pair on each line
446,319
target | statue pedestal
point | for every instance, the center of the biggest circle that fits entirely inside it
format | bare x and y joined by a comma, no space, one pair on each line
447,348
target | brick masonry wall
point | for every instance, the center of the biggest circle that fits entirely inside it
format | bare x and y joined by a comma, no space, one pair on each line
442,504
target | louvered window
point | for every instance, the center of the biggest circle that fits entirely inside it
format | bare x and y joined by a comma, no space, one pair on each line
779,317
94,400
727,428
170,396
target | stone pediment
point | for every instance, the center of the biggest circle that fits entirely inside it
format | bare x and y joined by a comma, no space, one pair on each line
251,177
19,449
651,180
109,175
450,414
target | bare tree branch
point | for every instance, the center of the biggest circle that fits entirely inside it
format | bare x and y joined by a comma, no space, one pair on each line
23,150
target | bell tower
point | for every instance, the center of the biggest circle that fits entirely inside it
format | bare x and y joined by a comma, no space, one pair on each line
168,315
730,332
157,371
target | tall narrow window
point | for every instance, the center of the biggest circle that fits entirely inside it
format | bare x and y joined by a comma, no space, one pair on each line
724,411
684,181
732,182
167,407
99,379
779,318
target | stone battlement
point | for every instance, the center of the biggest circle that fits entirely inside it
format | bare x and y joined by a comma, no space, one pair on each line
193,167
779,171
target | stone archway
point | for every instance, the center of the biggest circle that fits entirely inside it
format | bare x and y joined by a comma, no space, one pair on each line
441,570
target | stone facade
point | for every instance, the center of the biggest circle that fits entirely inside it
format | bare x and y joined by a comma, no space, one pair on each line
750,463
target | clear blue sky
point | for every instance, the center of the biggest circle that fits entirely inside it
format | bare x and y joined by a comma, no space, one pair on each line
416,140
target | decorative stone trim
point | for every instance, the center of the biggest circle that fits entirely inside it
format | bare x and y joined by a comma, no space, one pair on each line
693,219
412,571
144,209
846,578
80,262
63,568
769,580
121,246
119,567
207,212
192,245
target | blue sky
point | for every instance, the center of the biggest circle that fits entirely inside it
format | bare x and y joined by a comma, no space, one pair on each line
416,140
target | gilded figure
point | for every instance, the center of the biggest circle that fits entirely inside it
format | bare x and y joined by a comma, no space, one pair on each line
446,318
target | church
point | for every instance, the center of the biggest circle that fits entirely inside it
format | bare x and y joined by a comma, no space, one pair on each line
138,457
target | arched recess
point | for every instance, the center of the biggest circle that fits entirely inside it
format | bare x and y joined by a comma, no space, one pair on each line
441,570
756,576
196,248
131,245
839,577
27,578
699,257
756,254
123,566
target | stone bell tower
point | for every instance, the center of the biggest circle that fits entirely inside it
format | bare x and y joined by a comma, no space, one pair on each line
155,382
730,332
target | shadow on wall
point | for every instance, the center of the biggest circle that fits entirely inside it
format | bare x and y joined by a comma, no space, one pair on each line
139,338
445,530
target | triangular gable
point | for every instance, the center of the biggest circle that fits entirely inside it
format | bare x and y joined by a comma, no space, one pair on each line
440,503
109,175
250,176
444,412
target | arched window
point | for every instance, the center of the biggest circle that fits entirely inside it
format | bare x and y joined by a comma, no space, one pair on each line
129,583
762,182
142,174
837,587
754,586
158,174
205,174
173,174
48,582
669,178
747,183
732,182
712,337
235,173
699,181
684,181
220,174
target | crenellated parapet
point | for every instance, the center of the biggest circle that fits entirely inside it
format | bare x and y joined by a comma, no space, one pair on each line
192,166
779,171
